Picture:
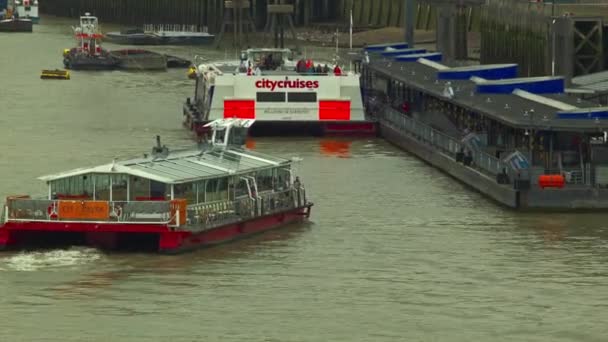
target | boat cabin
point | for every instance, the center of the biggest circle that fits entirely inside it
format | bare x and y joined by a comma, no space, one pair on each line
222,173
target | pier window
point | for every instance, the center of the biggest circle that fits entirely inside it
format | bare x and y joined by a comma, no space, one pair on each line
270,97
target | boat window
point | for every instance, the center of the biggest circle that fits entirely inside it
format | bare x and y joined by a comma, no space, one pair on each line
119,187
241,189
216,190
102,187
186,191
78,187
283,178
302,97
140,189
158,190
200,189
264,179
270,97
219,136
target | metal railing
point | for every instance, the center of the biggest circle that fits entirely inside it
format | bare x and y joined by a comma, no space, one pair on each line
216,214
448,145
174,28
22,209
571,176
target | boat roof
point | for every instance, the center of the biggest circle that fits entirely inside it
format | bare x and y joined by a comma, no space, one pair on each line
510,101
184,166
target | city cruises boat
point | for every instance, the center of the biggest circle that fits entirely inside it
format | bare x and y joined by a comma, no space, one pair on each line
524,142
160,35
88,53
166,201
284,96
27,9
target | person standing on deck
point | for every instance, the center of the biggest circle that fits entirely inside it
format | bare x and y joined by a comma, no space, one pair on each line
337,70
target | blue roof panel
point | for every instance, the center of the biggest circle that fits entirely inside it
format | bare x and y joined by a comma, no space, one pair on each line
382,47
432,56
535,85
488,72
398,52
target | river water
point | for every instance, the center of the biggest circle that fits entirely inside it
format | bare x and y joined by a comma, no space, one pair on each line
394,251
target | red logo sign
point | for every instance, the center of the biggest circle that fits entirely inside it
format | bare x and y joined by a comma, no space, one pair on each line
287,83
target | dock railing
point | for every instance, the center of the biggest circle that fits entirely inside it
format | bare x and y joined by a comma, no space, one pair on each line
448,145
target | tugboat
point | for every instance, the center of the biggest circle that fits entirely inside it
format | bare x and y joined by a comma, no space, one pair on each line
88,54
11,22
167,201
161,35
283,96
28,9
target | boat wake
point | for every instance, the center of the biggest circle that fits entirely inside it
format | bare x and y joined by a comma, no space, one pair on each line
48,260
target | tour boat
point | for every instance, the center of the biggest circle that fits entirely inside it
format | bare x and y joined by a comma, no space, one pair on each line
28,9
165,201
282,95
88,53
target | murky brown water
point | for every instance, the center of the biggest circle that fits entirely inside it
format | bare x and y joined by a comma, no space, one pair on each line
395,250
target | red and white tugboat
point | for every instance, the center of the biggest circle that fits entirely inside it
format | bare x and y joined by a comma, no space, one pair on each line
168,201
283,96
88,53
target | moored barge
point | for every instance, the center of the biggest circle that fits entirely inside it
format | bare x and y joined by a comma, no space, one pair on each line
168,201
283,96
527,143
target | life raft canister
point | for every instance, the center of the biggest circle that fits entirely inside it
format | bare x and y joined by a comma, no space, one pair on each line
551,181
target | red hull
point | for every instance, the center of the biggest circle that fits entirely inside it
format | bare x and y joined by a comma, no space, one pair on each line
14,234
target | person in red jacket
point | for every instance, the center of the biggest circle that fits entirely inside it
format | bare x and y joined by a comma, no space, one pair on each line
337,71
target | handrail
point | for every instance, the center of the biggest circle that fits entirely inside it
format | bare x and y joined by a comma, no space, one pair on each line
482,161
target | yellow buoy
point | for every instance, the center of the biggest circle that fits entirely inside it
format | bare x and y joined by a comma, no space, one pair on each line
55,74
191,72
66,52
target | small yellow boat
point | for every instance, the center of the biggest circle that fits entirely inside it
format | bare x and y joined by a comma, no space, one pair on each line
55,74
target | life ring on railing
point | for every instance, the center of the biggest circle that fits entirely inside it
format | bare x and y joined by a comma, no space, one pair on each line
52,210
116,211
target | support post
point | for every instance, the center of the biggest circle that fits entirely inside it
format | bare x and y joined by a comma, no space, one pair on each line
410,21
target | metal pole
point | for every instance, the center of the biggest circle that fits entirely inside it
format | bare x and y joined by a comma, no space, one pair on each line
553,49
410,18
